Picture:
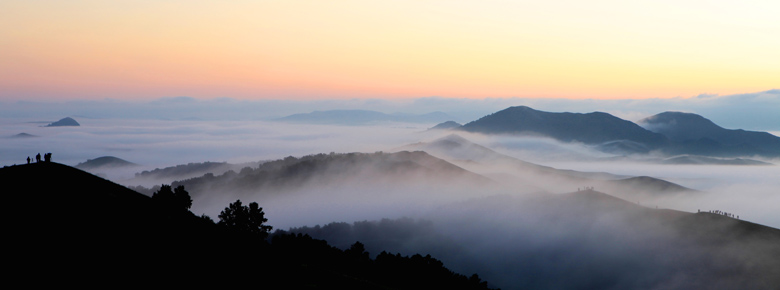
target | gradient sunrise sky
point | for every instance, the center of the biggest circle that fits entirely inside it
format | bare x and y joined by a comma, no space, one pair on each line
291,49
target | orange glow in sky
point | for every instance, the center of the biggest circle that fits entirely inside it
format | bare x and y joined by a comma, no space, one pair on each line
314,49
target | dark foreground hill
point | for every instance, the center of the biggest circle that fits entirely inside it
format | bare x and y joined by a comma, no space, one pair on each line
694,134
63,223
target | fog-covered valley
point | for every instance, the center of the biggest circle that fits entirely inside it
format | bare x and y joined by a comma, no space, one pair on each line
523,211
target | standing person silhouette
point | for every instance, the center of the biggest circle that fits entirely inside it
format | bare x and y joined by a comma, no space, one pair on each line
28,159
38,158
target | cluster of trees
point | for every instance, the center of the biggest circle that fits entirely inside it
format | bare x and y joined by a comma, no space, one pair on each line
298,259
320,265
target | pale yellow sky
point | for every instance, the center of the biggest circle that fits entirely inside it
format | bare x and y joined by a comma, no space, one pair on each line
387,49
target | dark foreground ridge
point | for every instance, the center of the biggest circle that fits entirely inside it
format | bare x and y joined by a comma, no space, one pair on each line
64,223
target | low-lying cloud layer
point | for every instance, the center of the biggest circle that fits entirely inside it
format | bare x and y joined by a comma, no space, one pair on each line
515,229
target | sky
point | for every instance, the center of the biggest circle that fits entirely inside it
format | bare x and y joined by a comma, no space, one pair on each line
313,50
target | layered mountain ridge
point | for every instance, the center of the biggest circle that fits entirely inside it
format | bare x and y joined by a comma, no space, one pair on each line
669,132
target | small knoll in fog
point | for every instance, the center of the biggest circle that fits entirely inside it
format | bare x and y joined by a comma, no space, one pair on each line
694,134
22,135
590,128
104,162
446,125
67,121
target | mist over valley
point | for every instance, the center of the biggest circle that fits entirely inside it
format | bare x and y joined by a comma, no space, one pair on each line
551,208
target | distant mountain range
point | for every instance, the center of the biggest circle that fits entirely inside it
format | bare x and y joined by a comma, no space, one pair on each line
590,128
362,117
669,132
694,134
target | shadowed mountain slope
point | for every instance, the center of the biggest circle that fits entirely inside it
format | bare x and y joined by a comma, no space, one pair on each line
694,134
446,126
345,169
370,185
64,222
590,128
580,240
519,174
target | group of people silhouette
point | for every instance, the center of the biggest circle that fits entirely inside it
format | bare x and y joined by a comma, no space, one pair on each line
720,212
46,158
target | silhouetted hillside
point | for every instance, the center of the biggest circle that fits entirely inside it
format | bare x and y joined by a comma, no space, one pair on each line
590,128
694,134
65,222
104,162
67,121
362,117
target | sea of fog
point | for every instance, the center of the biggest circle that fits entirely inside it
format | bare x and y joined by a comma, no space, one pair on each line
753,192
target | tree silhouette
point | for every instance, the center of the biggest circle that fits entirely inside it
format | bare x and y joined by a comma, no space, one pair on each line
176,199
245,219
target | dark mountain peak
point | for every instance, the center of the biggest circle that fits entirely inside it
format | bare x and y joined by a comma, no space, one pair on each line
522,109
446,126
67,121
697,135
680,120
589,128
525,110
